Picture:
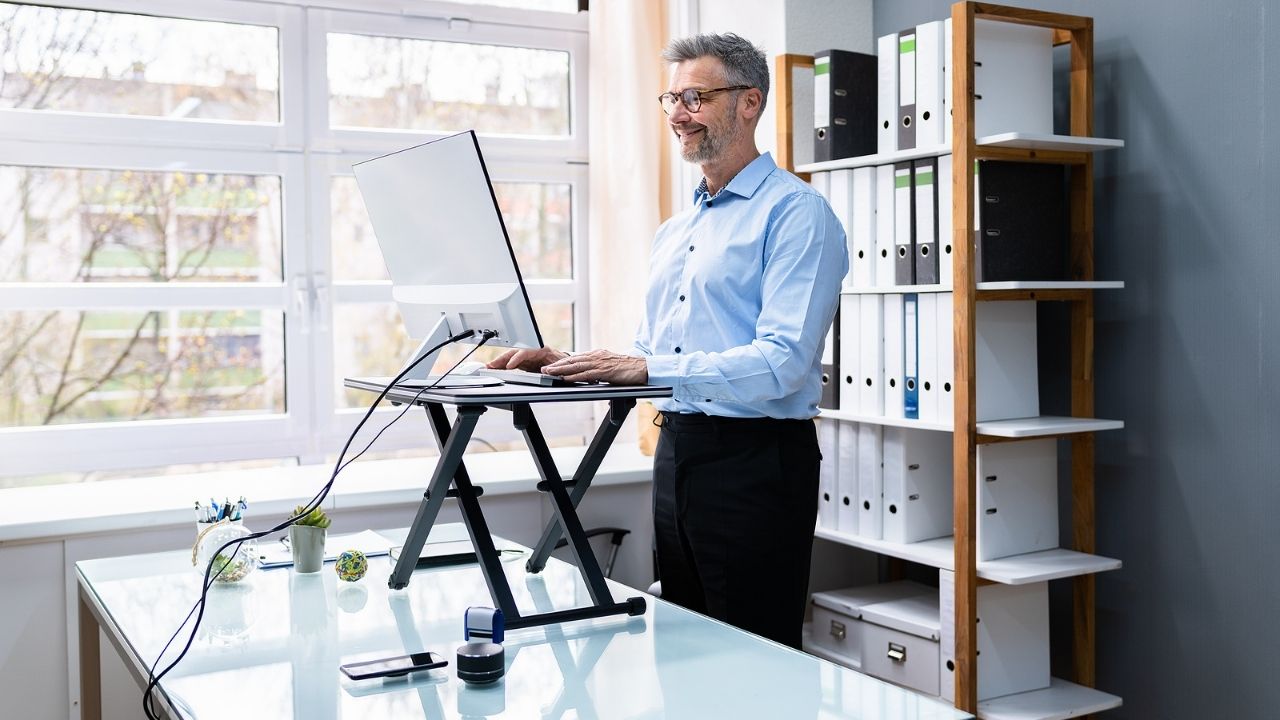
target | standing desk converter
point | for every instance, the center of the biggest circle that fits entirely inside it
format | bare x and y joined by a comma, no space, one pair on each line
450,479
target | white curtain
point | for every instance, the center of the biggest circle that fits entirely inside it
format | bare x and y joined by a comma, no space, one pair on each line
628,161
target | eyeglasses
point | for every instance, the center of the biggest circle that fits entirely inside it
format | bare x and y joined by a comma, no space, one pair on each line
692,99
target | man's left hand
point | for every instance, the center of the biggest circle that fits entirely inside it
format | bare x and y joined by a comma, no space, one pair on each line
601,366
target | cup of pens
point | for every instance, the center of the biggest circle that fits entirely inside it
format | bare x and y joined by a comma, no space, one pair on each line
216,526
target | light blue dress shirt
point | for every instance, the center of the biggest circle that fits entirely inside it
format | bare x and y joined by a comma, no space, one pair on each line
742,289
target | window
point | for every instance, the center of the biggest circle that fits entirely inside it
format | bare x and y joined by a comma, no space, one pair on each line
186,267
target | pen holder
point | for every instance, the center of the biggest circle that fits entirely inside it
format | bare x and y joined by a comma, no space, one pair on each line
232,564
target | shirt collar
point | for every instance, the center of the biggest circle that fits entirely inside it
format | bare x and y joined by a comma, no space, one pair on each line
747,181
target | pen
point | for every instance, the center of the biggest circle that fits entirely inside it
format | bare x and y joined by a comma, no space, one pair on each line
199,512
213,510
226,509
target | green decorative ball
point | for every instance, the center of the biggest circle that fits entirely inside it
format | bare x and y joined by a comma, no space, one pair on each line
351,565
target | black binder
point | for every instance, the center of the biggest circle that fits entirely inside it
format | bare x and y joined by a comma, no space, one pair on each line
849,91
1023,222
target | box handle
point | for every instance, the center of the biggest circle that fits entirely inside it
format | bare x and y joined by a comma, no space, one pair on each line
837,630
897,653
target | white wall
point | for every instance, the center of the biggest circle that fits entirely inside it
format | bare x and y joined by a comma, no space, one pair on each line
38,632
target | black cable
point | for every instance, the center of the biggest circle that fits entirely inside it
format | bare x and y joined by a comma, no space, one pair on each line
153,679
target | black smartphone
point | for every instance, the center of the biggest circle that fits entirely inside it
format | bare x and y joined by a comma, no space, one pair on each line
393,666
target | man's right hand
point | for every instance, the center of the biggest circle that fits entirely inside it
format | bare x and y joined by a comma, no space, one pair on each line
529,360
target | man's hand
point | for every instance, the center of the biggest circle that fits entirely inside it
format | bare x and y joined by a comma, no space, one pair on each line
600,366
528,360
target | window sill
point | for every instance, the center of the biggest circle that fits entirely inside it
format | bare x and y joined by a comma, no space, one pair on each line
59,511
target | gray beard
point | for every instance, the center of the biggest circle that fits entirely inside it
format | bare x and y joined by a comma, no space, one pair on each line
712,145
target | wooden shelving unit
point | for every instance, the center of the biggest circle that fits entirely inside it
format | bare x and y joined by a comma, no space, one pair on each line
959,553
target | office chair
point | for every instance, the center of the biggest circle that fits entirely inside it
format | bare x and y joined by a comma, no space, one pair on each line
617,534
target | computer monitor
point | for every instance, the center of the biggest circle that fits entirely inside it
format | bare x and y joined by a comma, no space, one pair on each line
446,247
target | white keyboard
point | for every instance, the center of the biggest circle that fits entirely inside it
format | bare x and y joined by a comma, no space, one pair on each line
524,377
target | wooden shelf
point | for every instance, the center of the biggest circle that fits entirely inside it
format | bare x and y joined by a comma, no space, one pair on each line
873,160
1033,567
1060,700
1040,141
882,420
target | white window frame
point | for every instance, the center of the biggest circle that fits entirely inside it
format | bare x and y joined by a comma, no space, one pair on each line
304,153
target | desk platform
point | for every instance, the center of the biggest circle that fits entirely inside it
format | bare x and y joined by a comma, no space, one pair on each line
271,649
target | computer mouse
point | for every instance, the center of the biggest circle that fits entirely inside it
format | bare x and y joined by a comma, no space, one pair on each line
468,368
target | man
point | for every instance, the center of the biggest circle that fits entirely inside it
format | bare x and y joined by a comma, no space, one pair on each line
742,288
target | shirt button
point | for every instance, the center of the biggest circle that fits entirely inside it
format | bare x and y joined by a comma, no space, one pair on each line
708,203
681,298
690,248
707,400
677,349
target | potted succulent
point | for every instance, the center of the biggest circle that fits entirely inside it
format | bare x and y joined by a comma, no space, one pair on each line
306,539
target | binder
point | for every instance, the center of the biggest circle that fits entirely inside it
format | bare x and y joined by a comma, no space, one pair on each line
850,338
917,484
1024,221
862,235
927,371
830,397
907,89
887,98
904,272
821,181
1006,362
847,516
1012,78
911,356
1017,498
930,115
893,357
947,80
1013,637
828,473
870,482
946,227
844,97
886,215
946,358
871,355
925,188
841,190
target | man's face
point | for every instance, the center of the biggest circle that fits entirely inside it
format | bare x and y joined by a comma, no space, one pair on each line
705,135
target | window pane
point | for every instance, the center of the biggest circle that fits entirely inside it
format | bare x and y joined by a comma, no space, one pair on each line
537,216
98,366
84,61
385,82
369,339
74,225
564,6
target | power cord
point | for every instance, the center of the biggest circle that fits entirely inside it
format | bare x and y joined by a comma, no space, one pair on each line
154,678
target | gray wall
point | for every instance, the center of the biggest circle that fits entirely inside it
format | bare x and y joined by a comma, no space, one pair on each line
1187,215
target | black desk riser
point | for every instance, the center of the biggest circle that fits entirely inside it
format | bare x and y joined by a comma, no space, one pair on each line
450,479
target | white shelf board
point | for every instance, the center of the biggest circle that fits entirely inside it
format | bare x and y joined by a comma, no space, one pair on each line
873,160
897,289
1060,700
1045,425
1017,570
1053,285
881,420
1042,141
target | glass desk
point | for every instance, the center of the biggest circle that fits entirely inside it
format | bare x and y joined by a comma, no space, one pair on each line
271,646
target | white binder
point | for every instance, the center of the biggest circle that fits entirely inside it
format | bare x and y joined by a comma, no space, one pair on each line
1013,637
946,358
871,356
1012,78
893,343
841,200
930,116
1006,363
927,373
887,97
1017,498
870,482
947,80
850,353
917,484
828,473
862,240
885,217
847,515
946,228
821,181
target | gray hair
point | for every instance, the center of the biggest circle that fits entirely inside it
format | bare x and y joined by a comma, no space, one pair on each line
744,63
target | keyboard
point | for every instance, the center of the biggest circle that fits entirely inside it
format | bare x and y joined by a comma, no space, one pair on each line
524,377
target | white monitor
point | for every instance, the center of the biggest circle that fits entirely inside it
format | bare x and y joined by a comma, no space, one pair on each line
445,245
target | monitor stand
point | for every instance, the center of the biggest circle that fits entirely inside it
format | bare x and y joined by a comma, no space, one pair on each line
421,375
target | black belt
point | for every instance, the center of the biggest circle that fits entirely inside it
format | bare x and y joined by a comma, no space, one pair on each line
677,420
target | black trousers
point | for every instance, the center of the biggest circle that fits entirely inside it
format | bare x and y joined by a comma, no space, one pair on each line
734,506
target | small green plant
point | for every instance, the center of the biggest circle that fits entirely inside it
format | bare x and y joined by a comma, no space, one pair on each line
315,518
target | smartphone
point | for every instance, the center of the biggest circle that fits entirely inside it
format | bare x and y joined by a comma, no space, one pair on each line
393,666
